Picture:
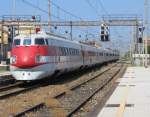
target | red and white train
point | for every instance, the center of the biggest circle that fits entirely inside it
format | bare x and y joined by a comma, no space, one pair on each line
36,56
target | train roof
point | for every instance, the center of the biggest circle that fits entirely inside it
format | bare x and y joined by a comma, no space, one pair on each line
46,35
50,36
56,37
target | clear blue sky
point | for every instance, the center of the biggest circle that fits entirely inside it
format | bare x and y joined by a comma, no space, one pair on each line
77,7
82,9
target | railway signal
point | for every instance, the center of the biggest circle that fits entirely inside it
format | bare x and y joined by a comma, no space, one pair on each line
140,38
104,32
11,32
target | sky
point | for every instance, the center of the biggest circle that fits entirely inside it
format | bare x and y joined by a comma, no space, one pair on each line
80,8
85,9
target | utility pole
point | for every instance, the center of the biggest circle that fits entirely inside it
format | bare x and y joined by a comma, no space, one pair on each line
146,31
49,15
132,49
133,46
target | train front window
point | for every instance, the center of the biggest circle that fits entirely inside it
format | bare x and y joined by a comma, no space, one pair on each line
17,42
39,41
26,42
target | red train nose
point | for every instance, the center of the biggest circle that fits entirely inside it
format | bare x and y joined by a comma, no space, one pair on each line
25,60
24,57
28,56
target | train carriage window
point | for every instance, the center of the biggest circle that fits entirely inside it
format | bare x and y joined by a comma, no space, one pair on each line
26,42
68,51
61,51
17,42
73,51
65,51
78,52
46,40
39,41
100,54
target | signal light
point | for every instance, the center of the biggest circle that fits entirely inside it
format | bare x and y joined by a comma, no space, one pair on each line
11,33
140,40
107,37
140,29
104,32
102,38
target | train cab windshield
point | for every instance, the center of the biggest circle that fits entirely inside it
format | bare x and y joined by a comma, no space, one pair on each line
17,42
40,41
26,42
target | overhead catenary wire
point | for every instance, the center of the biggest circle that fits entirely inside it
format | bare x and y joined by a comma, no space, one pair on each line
65,11
69,13
91,5
40,9
54,4
57,6
102,6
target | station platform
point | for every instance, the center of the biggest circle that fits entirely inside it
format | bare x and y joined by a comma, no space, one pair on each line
4,70
131,98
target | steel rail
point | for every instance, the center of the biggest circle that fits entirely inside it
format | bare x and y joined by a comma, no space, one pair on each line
42,104
16,92
96,91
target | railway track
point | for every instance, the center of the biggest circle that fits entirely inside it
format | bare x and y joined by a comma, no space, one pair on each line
72,94
16,89
11,86
6,80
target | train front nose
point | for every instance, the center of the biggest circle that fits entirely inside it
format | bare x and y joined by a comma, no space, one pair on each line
26,60
23,57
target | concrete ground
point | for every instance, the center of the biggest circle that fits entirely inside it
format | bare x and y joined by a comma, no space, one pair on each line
131,98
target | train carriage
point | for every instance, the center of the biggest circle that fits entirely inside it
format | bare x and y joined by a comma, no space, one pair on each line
39,55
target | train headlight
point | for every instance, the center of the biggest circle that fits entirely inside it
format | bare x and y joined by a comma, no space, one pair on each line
13,59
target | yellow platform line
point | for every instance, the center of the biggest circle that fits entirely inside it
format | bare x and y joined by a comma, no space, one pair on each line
121,109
